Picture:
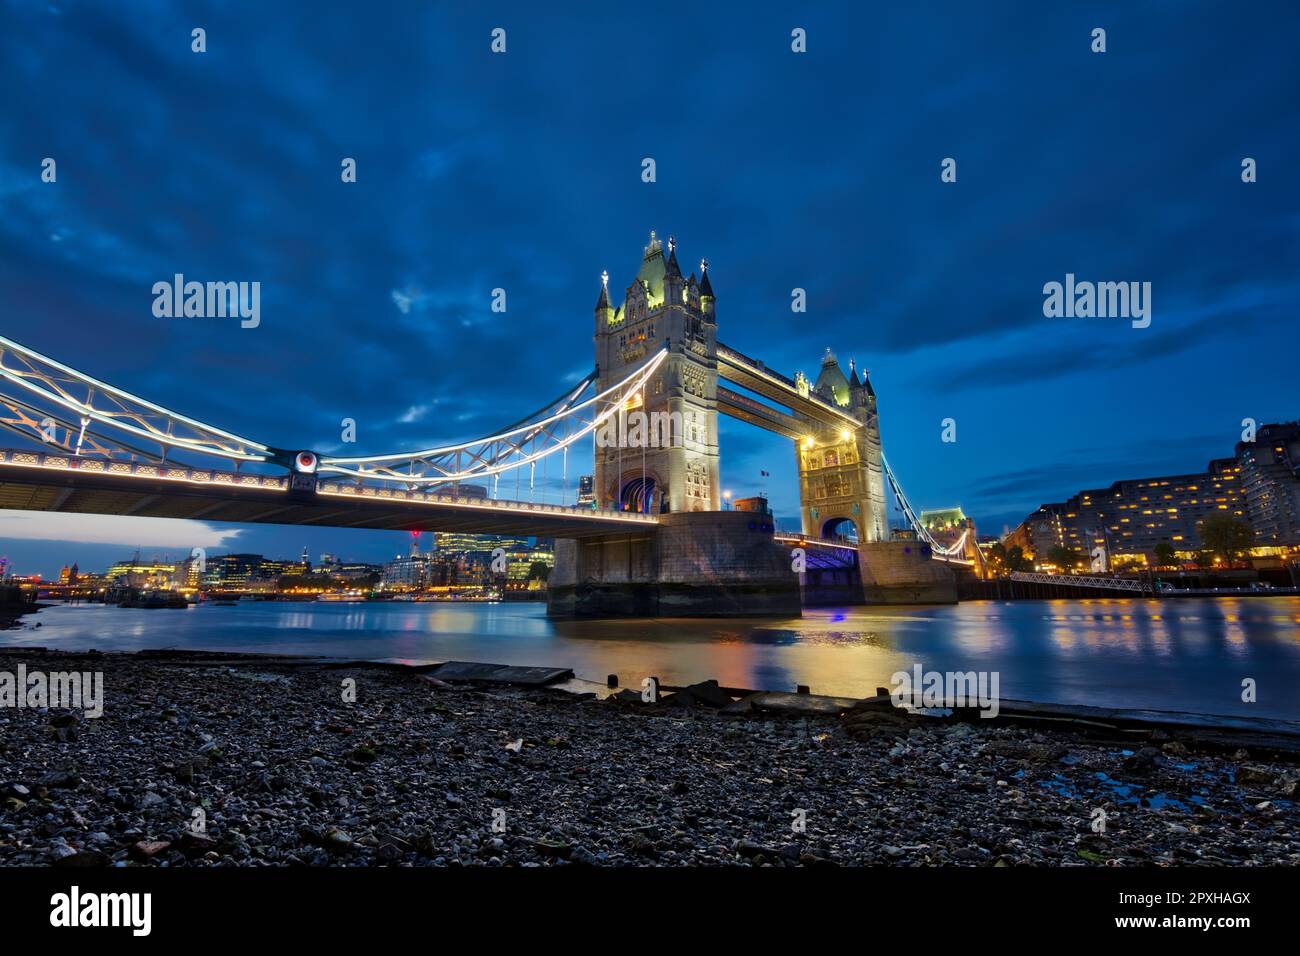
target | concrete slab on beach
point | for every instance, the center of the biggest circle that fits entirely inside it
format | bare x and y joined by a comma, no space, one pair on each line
1264,734
474,672
779,702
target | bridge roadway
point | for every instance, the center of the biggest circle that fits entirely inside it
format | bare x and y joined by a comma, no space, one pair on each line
37,481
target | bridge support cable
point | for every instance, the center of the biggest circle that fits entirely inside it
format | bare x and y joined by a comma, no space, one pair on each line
949,552
43,427
556,427
91,400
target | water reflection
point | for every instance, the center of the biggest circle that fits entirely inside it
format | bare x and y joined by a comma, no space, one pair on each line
1178,655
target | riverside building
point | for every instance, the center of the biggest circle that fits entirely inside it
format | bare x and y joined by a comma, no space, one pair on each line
1270,478
1130,517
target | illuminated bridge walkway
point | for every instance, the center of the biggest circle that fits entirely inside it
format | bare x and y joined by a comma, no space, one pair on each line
89,447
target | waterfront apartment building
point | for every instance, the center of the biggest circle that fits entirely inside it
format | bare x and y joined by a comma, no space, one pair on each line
408,572
1270,478
1130,517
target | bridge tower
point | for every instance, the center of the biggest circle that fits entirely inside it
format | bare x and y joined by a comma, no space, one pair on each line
841,473
661,309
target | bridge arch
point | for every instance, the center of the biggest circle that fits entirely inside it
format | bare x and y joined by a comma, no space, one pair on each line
640,493
841,528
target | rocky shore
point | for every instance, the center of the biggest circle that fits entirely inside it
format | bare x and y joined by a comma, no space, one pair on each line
257,763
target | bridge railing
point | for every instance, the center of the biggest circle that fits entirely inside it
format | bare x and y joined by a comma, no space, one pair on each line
17,458
149,470
808,540
353,490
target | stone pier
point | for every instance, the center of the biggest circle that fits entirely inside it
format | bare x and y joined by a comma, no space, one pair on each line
724,564
699,564
902,572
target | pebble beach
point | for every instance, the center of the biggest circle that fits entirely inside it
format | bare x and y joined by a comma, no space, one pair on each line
267,763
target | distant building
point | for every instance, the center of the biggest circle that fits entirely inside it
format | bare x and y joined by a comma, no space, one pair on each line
1129,518
460,543
231,570
943,519
756,504
269,570
407,572
462,490
587,491
949,527
141,574
1270,478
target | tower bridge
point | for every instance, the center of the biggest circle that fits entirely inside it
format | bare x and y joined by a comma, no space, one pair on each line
658,539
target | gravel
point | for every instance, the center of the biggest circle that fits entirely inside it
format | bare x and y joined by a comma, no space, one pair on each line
265,764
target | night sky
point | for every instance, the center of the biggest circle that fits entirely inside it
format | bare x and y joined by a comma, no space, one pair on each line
523,171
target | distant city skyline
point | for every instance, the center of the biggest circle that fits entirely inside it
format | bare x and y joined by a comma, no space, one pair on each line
376,296
162,555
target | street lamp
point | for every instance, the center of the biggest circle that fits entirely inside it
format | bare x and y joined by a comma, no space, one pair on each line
726,497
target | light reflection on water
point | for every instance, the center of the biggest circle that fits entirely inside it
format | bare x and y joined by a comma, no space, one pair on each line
1173,655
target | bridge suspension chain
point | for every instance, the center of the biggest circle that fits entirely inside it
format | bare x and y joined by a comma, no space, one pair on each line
552,429
922,532
68,390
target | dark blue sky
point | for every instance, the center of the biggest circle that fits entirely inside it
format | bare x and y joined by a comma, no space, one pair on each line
522,171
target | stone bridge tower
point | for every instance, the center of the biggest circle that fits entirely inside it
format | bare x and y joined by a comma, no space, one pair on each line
841,473
661,308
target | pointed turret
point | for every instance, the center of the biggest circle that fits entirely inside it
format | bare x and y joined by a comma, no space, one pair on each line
706,287
831,383
853,375
707,302
674,284
652,271
604,309
866,384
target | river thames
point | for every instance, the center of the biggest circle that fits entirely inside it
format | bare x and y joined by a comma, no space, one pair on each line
1185,654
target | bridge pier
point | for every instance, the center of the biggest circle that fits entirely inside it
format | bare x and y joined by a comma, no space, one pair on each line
902,572
691,564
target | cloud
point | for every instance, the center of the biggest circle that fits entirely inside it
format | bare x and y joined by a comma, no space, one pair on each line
1085,345
128,532
414,414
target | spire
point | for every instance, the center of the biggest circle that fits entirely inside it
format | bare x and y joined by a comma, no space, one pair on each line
673,268
603,301
706,287
866,383
853,375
